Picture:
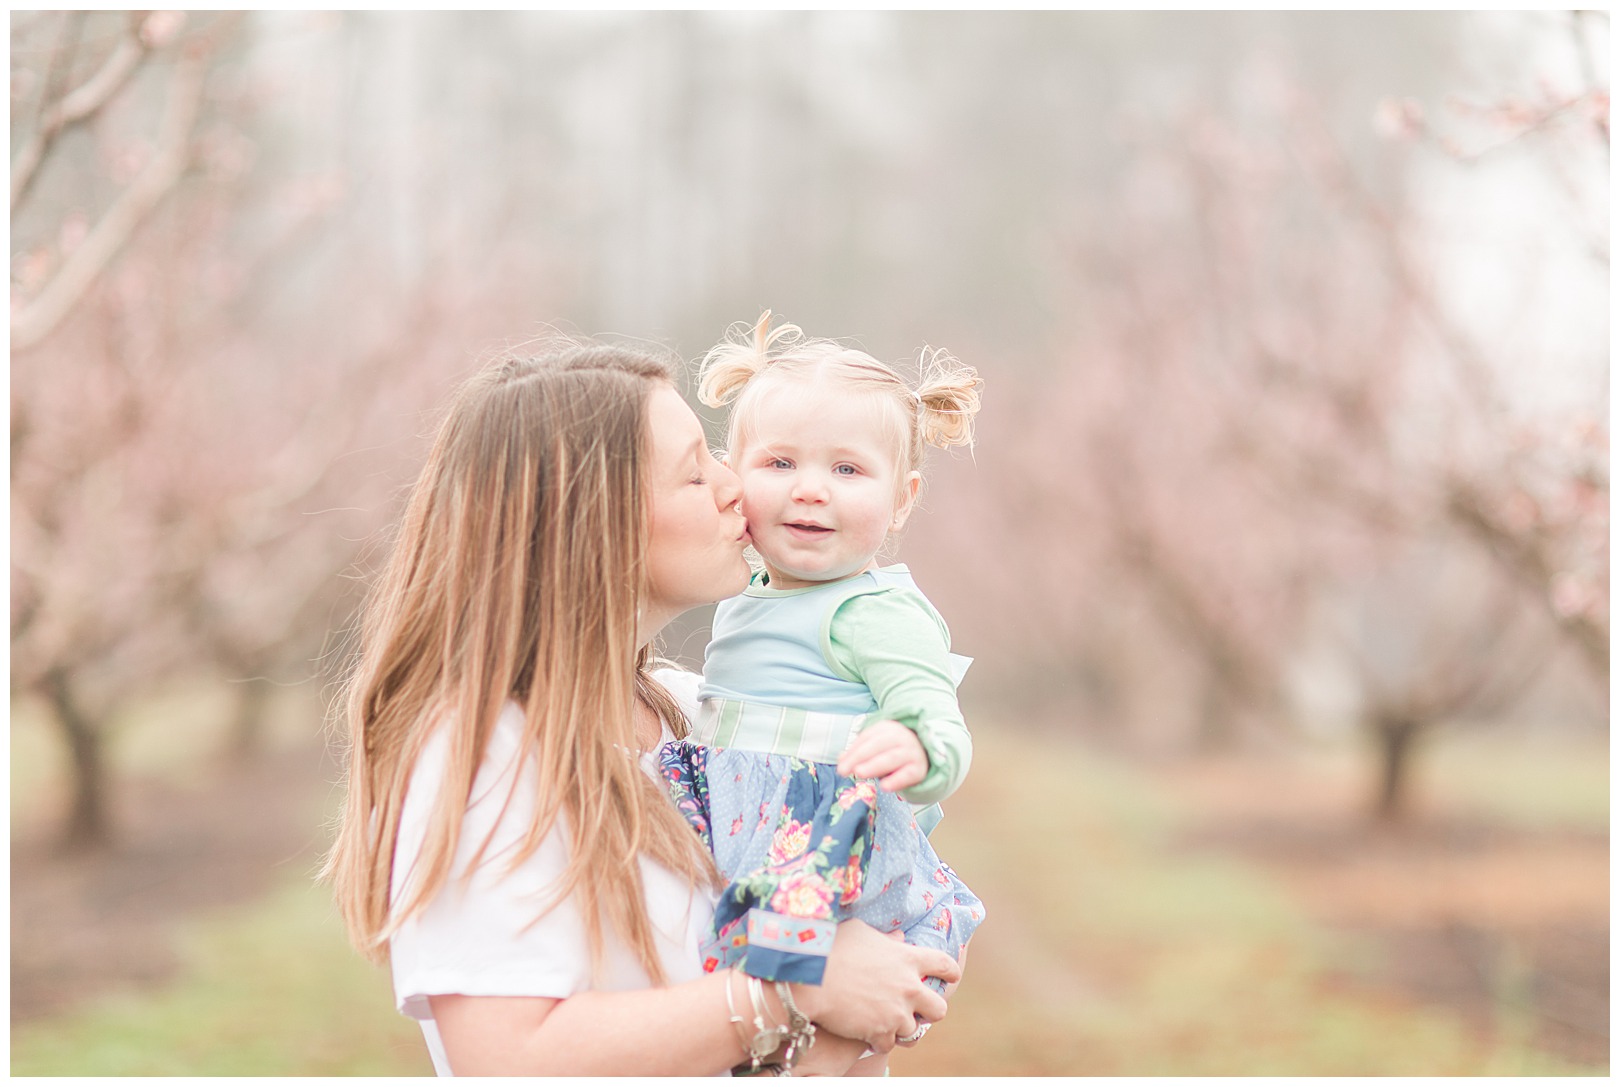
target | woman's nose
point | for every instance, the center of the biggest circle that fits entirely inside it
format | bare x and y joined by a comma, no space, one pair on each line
727,486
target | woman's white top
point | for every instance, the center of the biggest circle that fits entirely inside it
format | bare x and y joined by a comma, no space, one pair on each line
479,937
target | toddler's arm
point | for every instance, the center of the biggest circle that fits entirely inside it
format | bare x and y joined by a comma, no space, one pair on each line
895,643
830,1055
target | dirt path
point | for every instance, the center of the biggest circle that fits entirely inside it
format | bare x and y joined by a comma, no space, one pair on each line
1508,926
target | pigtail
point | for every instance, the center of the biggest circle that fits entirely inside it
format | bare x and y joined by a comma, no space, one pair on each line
947,399
745,353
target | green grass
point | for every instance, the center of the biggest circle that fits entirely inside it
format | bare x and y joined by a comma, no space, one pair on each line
1107,951
271,989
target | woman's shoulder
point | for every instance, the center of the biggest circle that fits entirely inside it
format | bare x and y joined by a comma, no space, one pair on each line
497,764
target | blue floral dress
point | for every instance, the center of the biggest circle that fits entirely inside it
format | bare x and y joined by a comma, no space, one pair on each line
804,848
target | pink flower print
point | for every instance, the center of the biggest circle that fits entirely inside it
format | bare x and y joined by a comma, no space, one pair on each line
803,894
791,840
943,921
941,878
736,826
850,881
764,818
737,778
975,915
928,900
860,790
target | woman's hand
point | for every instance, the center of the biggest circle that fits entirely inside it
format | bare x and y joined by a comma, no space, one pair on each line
873,987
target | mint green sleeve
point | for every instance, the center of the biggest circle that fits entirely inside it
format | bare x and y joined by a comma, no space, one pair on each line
896,644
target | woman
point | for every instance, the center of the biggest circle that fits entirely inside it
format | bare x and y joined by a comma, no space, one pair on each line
504,841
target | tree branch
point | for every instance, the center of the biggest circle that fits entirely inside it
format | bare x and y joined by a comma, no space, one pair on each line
1579,20
75,107
1525,557
95,254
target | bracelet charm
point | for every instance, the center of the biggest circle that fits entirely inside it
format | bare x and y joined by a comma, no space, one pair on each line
767,1039
800,1032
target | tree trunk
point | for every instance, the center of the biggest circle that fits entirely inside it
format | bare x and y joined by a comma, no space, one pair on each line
250,719
1396,738
1217,718
88,825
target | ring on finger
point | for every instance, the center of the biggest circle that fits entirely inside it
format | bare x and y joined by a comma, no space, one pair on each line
916,1035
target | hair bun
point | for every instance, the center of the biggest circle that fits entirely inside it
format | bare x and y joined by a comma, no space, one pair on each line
741,356
947,398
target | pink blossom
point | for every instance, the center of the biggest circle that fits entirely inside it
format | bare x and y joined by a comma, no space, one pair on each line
1398,118
1569,596
160,27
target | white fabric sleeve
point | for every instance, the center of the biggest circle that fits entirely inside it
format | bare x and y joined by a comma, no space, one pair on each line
683,685
480,936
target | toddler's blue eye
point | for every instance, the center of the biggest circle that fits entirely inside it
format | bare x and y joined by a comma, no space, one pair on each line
780,463
845,469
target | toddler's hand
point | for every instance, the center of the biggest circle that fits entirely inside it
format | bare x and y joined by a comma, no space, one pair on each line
888,751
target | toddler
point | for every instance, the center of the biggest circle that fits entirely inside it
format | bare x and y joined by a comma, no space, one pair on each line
828,726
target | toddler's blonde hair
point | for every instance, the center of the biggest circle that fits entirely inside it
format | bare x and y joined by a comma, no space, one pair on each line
755,357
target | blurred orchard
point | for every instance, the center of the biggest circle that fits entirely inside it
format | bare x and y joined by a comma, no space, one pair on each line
1294,329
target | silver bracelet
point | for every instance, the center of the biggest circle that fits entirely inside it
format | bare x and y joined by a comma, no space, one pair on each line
800,1032
731,1007
767,1039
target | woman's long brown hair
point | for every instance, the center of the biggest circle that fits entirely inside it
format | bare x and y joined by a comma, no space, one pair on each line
516,575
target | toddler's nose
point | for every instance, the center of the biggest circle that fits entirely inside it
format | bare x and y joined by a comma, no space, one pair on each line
809,488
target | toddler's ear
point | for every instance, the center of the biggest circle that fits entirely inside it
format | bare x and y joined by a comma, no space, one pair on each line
908,501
